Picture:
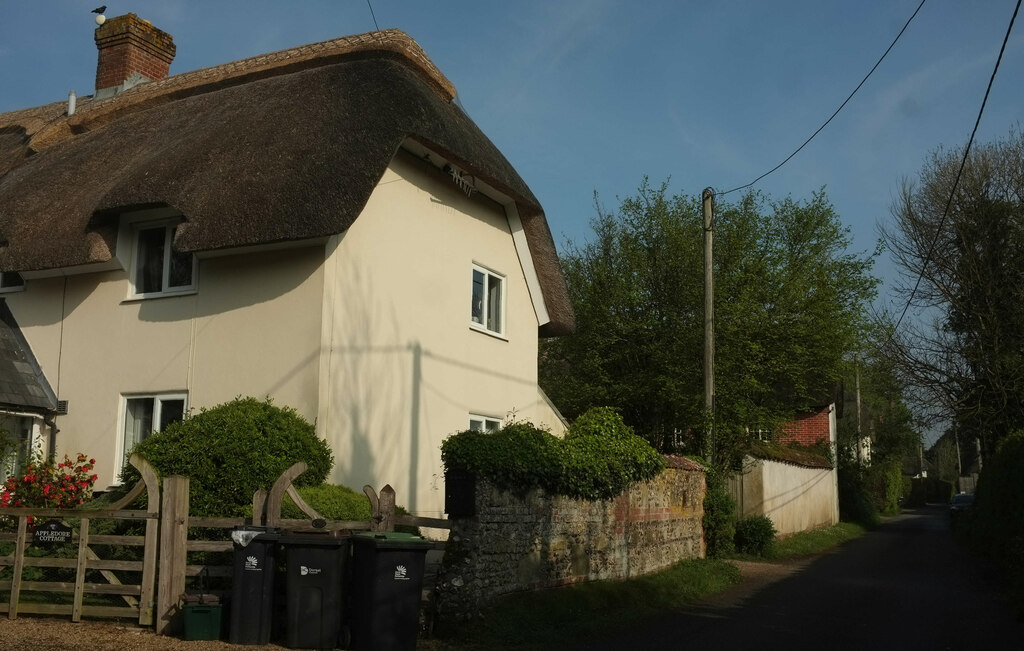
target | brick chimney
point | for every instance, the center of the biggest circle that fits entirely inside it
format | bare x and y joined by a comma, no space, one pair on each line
131,51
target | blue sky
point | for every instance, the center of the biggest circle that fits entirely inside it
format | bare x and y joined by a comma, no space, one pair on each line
585,96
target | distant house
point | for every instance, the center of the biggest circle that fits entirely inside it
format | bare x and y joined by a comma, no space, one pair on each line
797,490
321,225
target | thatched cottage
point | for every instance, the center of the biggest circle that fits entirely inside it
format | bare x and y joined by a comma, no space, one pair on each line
321,225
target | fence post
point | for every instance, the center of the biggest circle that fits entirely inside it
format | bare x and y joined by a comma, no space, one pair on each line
173,541
19,564
384,518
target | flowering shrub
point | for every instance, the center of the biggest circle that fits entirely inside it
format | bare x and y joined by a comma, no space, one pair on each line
51,484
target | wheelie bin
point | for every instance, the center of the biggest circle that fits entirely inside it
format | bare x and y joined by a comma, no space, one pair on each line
387,580
252,589
315,591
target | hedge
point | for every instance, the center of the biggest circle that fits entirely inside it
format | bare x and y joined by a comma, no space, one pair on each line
599,458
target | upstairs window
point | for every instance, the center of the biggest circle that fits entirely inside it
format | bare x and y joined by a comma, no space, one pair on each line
488,303
11,281
157,269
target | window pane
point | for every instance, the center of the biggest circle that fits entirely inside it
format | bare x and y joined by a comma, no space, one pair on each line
149,260
478,297
138,421
476,425
494,303
493,425
180,272
171,411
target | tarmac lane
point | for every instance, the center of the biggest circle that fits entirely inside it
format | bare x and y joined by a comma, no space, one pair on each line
905,585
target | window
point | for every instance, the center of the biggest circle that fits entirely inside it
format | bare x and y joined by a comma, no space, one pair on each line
157,269
144,415
11,281
488,309
17,440
483,423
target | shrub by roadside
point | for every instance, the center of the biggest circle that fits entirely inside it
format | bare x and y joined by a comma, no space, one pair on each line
599,457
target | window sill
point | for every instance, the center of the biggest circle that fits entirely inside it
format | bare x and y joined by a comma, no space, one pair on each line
149,297
484,331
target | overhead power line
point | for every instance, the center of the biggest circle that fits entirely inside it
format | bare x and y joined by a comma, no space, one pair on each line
959,172
873,68
376,26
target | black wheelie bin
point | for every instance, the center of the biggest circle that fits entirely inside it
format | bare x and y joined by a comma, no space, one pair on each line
387,580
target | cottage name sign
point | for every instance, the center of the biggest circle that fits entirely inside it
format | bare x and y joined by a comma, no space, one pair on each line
52,532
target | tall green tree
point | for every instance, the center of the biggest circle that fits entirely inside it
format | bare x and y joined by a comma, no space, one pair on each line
790,304
964,354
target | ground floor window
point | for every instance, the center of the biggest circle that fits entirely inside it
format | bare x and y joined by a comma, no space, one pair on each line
17,441
479,423
145,414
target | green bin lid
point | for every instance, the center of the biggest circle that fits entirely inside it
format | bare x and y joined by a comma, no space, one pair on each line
391,540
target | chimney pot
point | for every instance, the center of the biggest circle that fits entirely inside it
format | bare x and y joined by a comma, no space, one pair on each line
130,50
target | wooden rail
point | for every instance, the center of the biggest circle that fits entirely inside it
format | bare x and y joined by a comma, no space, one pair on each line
138,597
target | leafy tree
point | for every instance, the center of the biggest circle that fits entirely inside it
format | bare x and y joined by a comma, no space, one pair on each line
885,417
963,356
789,305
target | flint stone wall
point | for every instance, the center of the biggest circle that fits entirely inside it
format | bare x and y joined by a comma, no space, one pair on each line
533,541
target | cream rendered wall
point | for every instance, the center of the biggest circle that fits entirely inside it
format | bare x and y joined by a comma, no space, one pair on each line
402,368
252,328
794,497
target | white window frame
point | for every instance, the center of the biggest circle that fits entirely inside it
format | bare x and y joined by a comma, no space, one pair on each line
168,225
487,423
158,400
27,436
484,327
8,284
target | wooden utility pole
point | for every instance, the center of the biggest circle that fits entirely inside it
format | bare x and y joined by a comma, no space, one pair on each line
860,440
709,303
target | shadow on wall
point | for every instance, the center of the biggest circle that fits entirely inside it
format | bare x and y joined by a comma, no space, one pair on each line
386,399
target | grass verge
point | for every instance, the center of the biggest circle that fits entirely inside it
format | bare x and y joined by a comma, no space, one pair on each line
816,541
573,614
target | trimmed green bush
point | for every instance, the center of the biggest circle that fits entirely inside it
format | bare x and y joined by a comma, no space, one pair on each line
231,450
755,534
884,483
329,500
599,457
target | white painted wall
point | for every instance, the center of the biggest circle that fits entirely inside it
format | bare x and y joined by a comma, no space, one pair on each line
402,368
794,497
253,328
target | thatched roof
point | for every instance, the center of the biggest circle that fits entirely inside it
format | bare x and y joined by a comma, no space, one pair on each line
286,146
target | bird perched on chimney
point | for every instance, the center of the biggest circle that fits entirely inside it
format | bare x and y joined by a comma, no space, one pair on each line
99,10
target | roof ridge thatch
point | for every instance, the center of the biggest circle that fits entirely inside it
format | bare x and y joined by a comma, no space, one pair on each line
391,43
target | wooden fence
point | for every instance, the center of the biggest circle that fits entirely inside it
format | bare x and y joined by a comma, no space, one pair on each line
167,544
138,598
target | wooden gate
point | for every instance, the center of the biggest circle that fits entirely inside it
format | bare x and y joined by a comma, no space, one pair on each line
138,598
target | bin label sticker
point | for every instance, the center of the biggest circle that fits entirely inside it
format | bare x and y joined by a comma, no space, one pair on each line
252,564
306,571
400,573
